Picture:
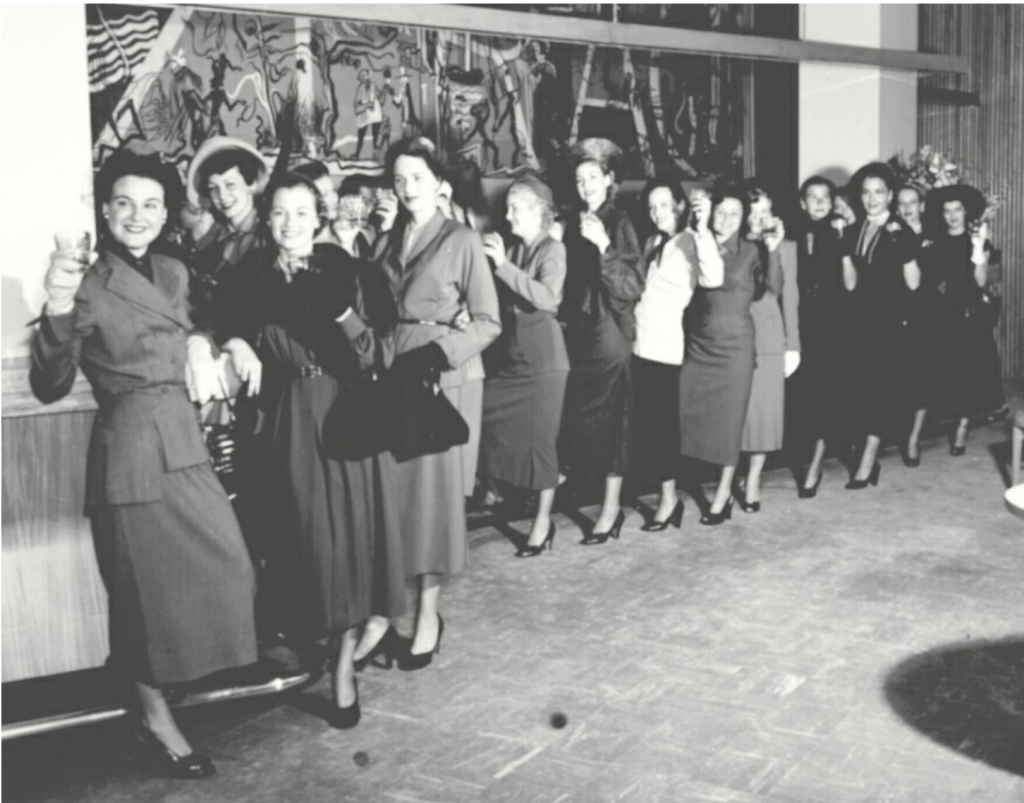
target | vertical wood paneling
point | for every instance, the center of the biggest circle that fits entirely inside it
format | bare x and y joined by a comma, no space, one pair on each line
989,139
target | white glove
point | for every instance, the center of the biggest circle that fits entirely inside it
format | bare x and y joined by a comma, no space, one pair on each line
246,364
791,363
201,370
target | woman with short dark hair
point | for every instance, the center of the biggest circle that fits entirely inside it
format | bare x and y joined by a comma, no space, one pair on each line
168,545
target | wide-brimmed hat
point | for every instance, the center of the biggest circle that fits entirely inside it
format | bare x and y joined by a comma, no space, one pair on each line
213,146
972,199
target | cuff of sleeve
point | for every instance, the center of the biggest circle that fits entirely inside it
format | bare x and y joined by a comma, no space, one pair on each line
58,329
351,324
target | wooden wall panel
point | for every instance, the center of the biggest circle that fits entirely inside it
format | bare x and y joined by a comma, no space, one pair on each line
988,138
54,604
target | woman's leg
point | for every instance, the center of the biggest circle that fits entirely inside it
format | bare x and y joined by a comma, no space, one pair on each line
814,469
542,521
373,632
157,718
914,441
425,638
753,490
868,458
611,506
724,490
667,501
345,671
960,440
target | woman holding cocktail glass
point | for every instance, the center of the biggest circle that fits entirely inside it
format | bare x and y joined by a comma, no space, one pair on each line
167,542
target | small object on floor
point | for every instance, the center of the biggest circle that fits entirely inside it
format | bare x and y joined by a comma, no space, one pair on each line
559,720
675,519
528,551
361,759
169,764
411,662
599,538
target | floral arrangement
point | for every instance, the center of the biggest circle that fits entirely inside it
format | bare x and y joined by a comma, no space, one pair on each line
927,169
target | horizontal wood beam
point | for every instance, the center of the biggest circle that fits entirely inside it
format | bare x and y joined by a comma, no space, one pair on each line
499,22
947,97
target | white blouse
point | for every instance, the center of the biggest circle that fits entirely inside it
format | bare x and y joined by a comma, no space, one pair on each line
686,261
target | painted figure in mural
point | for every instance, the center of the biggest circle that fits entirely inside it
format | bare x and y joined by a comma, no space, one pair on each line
369,114
217,97
187,100
401,97
469,109
504,90
545,108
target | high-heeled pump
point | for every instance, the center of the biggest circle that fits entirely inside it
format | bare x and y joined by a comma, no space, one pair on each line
856,485
958,451
167,763
740,495
908,461
347,717
530,551
599,538
675,519
714,519
387,648
413,661
804,492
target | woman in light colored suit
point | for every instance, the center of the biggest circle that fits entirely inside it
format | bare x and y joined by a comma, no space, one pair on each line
447,315
776,348
167,542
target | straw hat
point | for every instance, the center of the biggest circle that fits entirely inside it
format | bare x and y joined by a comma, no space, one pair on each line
215,145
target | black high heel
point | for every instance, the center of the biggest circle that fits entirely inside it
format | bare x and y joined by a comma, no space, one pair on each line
411,662
675,519
387,647
741,500
169,764
349,716
958,451
856,485
809,493
596,538
528,551
908,461
714,519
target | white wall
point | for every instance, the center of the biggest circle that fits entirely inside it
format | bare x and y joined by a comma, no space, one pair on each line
45,160
851,115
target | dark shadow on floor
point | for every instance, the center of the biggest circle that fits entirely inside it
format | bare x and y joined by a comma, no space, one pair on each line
968,697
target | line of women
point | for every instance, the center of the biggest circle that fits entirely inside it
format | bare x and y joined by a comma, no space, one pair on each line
566,351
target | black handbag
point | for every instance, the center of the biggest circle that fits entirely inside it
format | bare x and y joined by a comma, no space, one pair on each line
427,422
988,305
360,423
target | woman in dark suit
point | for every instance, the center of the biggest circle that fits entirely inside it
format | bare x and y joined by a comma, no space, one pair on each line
718,369
528,365
602,287
447,315
167,542
304,307
972,376
777,351
882,268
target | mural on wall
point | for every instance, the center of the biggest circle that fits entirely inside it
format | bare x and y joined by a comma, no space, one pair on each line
169,78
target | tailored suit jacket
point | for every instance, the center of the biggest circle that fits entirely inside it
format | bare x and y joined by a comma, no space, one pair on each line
129,337
444,274
777,326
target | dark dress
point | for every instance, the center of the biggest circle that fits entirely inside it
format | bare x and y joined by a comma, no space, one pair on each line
874,389
338,556
167,543
718,369
600,293
972,376
818,388
919,372
527,369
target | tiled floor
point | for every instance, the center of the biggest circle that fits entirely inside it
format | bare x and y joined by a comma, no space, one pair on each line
861,647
